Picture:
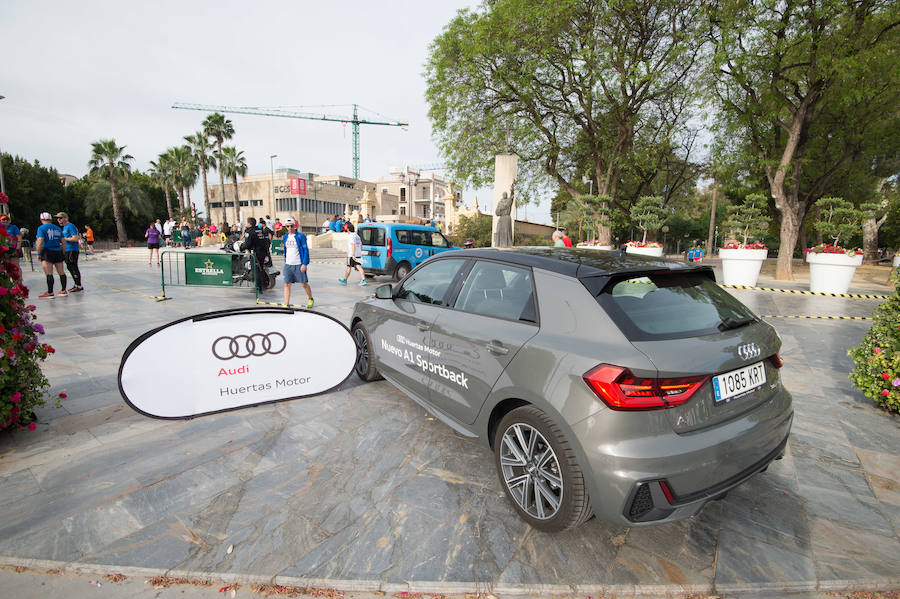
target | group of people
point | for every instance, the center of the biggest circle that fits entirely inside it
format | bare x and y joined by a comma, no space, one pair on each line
338,224
561,238
57,244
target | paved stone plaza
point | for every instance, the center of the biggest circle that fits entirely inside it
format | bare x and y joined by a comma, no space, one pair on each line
360,489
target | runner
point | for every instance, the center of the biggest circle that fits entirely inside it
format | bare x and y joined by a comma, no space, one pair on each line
48,245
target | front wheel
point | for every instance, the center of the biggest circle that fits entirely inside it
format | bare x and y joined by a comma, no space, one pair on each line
402,270
364,366
539,472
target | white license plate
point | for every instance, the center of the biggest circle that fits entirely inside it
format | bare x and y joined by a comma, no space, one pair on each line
738,382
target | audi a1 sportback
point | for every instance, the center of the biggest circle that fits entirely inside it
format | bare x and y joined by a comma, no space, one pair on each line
628,387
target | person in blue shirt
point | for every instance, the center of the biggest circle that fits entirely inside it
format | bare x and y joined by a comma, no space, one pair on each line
15,238
48,243
296,262
70,253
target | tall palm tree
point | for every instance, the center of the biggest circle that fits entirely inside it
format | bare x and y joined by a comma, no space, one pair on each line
109,161
179,158
203,152
220,129
189,175
162,175
233,163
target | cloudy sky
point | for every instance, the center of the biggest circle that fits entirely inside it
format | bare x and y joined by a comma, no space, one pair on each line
76,72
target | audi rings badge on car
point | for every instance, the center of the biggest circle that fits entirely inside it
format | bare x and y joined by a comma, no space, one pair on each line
232,359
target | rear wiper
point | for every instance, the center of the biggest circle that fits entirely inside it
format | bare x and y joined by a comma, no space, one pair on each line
729,323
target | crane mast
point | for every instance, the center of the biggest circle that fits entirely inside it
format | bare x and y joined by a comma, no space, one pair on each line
354,120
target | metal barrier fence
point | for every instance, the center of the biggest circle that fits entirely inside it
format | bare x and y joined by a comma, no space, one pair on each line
199,268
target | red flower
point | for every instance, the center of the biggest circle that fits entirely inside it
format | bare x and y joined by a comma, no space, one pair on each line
885,392
4,199
2,329
10,353
877,350
32,426
16,397
63,396
3,290
885,375
17,336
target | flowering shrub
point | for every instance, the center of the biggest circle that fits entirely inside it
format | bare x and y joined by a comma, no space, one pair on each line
734,245
827,248
877,357
644,244
22,384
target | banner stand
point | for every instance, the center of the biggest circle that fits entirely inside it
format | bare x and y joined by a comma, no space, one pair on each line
192,268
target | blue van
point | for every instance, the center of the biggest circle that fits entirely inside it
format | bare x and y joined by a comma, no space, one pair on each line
397,248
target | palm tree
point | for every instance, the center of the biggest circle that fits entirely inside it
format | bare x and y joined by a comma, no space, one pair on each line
220,129
189,178
109,161
179,158
202,149
162,175
233,163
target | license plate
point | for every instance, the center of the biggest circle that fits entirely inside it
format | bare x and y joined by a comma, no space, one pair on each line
739,382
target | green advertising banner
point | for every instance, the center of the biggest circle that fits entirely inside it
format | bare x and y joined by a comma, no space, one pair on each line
207,269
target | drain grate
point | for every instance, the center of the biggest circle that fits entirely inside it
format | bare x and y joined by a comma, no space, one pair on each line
97,333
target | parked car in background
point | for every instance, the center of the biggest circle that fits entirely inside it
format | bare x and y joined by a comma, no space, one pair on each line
396,248
629,387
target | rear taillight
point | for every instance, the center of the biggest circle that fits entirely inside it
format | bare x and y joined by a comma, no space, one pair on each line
621,390
776,360
390,248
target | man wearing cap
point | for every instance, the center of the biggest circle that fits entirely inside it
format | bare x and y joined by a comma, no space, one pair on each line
48,243
15,238
70,254
296,261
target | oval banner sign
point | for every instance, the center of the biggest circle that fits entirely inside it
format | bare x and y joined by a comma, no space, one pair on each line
233,359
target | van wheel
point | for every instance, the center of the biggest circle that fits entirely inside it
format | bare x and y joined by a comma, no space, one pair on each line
402,270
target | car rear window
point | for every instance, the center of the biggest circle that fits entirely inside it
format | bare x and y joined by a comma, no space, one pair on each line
670,306
371,235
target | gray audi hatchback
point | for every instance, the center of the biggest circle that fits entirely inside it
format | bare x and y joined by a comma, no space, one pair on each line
627,387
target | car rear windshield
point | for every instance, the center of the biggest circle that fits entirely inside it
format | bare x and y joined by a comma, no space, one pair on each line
671,306
371,235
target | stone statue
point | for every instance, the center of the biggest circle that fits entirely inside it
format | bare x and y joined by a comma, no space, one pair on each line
503,233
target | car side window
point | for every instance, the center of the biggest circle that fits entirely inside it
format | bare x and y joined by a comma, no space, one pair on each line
438,240
429,284
500,290
402,236
419,238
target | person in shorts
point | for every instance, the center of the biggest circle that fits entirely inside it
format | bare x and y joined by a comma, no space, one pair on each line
354,256
15,239
296,262
71,236
153,234
89,239
48,243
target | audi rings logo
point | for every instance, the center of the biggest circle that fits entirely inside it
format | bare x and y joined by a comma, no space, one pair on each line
244,346
748,351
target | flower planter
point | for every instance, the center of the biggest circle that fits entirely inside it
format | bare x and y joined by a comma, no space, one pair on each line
896,261
595,247
645,251
831,273
741,266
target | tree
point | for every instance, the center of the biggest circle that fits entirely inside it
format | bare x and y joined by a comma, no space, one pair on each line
476,227
163,176
558,81
32,189
648,214
220,129
135,206
202,149
180,160
774,66
749,218
109,161
232,163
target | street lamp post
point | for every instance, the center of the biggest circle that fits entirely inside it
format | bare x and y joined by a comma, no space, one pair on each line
413,180
272,165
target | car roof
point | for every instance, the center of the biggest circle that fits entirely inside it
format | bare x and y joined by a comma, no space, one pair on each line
582,263
404,225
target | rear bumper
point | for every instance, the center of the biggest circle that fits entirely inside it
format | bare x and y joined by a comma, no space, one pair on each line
390,265
658,478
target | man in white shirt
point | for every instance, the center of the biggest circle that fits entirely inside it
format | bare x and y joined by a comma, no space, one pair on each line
167,230
354,257
296,261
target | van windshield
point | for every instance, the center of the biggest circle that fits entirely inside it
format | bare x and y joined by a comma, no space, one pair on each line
671,306
371,235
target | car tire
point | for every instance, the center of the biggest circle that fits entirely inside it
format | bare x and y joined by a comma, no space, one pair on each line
539,472
401,271
364,365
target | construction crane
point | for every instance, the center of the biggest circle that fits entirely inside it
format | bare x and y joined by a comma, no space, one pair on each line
292,114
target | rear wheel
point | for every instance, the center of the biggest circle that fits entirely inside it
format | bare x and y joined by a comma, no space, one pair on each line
402,270
271,282
364,367
539,472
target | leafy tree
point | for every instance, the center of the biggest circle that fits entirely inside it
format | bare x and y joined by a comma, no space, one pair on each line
749,219
180,160
109,162
561,82
775,65
162,175
232,163
648,214
32,189
219,128
135,207
839,219
203,153
476,227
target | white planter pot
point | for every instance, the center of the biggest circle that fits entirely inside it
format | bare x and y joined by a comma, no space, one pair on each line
741,266
595,247
831,273
656,252
896,261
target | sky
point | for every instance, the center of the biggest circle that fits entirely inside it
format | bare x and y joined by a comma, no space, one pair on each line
77,72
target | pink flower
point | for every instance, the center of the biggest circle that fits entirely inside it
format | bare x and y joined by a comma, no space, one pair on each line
3,290
877,350
16,397
32,426
885,392
896,382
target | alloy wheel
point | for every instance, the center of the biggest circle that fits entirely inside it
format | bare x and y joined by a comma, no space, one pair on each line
531,471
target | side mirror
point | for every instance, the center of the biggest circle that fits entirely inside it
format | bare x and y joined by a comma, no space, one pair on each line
385,291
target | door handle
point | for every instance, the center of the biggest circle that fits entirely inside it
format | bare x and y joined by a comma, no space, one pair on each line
497,348
423,326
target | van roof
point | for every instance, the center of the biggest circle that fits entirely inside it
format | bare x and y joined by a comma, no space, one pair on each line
395,225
